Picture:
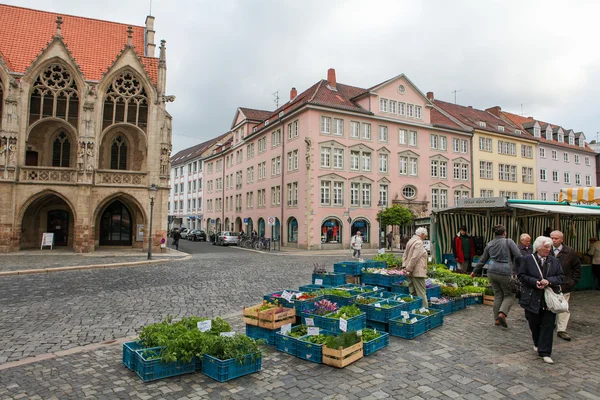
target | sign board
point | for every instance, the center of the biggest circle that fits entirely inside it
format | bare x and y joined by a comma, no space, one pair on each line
318,282
313,331
343,325
139,233
270,221
212,221
204,326
246,221
427,245
47,239
481,202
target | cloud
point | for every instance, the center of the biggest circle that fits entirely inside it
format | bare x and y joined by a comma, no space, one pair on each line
226,54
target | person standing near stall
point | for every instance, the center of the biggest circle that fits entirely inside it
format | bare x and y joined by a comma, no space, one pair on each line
463,247
595,253
571,266
414,263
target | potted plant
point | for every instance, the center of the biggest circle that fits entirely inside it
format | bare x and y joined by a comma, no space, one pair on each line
229,357
342,350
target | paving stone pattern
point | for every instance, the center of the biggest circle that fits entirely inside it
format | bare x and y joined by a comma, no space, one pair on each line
467,358
22,262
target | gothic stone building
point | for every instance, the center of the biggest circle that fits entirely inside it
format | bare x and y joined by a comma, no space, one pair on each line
84,131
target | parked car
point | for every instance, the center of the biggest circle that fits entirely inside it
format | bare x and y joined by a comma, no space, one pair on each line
197,234
184,232
227,238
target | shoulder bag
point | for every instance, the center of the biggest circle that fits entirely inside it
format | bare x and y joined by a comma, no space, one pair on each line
514,284
555,302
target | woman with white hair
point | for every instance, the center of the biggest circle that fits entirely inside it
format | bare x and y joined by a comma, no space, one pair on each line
538,271
414,262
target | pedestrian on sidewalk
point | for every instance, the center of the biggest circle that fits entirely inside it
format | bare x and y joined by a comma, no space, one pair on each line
595,253
538,271
176,237
414,263
390,239
356,244
504,259
571,266
463,247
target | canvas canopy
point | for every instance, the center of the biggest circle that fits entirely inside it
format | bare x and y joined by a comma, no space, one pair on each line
588,195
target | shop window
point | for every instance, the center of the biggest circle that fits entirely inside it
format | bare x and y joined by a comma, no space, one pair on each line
331,231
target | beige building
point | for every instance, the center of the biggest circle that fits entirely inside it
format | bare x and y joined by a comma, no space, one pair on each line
84,132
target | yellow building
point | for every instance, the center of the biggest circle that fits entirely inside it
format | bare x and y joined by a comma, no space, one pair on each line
504,163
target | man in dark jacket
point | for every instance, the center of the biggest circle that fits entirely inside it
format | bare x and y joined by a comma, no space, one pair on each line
571,266
463,248
176,237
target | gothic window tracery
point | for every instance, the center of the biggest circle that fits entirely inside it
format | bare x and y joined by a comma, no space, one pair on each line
61,150
54,95
118,153
126,101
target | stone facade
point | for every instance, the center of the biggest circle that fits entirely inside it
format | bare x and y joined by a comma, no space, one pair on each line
78,154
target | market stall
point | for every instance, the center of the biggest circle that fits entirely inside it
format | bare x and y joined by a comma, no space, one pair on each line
577,222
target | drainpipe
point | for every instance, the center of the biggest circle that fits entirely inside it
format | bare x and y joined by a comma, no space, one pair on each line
282,190
472,167
223,194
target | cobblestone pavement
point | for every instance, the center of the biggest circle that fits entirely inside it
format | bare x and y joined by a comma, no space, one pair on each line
466,358
26,262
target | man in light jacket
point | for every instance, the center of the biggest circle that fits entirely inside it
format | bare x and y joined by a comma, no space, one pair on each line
356,244
414,263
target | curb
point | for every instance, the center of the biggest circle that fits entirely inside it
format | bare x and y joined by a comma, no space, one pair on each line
307,253
86,267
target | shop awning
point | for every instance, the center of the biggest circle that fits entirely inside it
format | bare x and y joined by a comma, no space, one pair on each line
580,195
557,209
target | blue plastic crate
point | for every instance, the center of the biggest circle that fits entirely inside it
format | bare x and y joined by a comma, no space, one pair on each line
380,326
256,332
226,370
382,294
364,290
369,279
446,308
313,288
479,299
472,300
379,314
375,264
310,351
334,279
408,331
389,280
129,356
341,301
285,344
416,303
400,288
150,368
376,344
434,291
294,303
459,304
435,320
449,260
348,267
333,325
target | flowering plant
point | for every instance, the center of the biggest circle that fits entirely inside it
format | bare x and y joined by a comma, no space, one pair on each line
323,307
441,300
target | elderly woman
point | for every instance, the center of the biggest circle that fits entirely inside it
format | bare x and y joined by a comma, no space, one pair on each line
538,271
415,264
504,257
525,245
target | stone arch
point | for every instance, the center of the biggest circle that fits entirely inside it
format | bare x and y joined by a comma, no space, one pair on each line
292,230
140,72
238,224
362,224
227,224
40,136
332,230
137,147
34,218
262,227
134,208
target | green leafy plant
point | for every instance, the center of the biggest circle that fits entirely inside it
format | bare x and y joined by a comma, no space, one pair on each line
473,289
396,216
390,259
346,312
489,291
450,291
369,334
298,331
337,292
344,340
366,300
236,347
316,339
425,312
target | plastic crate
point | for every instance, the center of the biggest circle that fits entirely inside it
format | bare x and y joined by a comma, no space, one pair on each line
376,344
294,303
341,301
226,370
348,267
285,344
435,320
369,279
415,304
379,314
310,351
434,291
408,331
333,325
400,288
313,288
149,369
478,299
129,356
446,308
469,301
380,326
389,280
375,264
256,332
459,304
334,279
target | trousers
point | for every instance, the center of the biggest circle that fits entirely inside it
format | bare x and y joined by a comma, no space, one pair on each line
562,319
503,297
416,286
542,330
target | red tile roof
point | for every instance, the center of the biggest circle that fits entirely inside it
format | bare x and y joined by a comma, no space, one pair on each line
94,44
256,115
195,151
439,119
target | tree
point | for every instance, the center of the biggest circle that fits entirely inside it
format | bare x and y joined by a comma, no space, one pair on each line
396,215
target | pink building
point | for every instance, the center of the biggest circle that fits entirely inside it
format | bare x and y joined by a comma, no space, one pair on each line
318,166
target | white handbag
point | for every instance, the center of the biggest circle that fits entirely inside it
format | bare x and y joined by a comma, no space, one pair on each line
555,302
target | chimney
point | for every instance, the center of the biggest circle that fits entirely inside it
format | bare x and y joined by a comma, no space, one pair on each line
149,37
470,107
494,110
430,96
331,78
293,93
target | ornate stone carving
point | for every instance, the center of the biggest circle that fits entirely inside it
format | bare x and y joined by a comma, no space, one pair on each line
12,153
81,156
164,161
3,151
89,157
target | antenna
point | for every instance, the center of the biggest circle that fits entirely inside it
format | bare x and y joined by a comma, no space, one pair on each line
150,7
455,91
276,101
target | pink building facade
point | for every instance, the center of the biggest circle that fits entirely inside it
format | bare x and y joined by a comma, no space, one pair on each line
319,168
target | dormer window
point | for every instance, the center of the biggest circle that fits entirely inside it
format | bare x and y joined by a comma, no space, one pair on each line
581,142
560,138
500,128
266,122
517,132
549,134
254,129
482,124
571,140
537,132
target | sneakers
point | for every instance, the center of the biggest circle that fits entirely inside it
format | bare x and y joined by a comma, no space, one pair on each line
548,360
535,348
564,336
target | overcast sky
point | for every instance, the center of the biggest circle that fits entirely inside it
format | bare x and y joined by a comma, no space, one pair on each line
222,54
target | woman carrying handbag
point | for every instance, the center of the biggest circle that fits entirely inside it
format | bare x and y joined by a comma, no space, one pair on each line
540,273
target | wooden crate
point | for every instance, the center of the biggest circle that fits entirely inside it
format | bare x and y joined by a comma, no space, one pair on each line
342,357
355,279
488,300
275,318
250,315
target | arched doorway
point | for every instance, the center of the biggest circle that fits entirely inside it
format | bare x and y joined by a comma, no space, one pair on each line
364,226
250,226
227,225
292,235
116,225
261,227
238,224
218,225
276,230
48,213
331,230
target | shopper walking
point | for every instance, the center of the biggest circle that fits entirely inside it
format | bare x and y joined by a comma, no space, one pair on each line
414,263
538,271
390,239
595,253
571,266
356,244
504,257
463,247
176,237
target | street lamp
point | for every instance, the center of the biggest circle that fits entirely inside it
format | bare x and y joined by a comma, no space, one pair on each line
381,207
152,194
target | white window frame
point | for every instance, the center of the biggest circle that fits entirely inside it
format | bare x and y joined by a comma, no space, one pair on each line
383,163
325,125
